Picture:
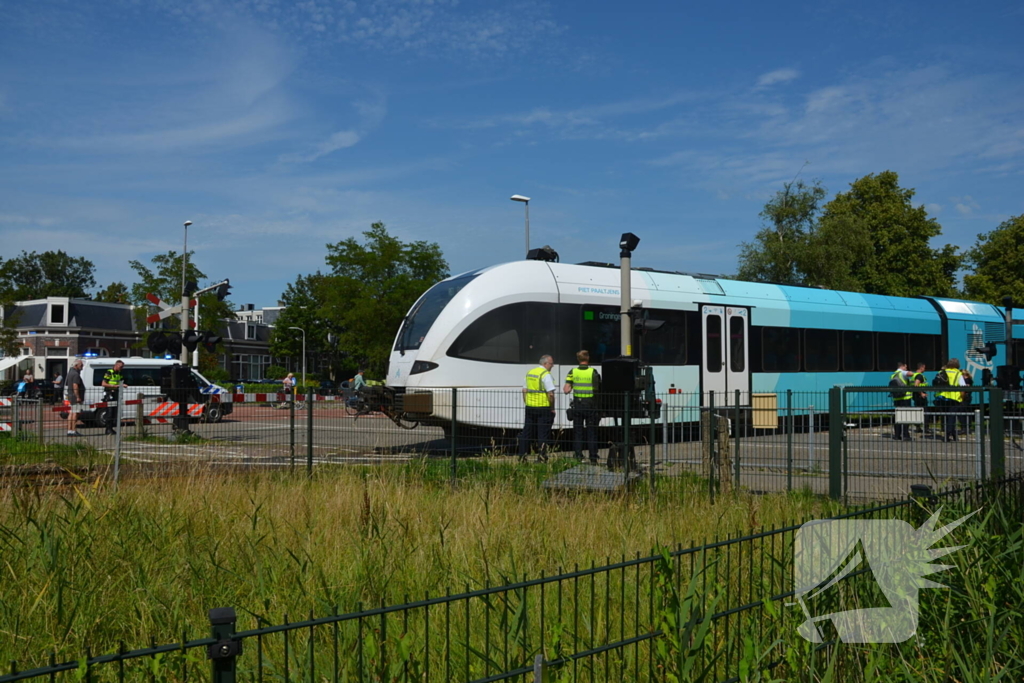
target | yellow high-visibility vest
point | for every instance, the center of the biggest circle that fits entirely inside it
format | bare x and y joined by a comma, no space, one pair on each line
954,384
903,380
582,382
536,395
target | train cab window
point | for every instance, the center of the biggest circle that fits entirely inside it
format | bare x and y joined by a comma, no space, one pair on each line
821,350
737,339
922,348
892,350
423,314
780,349
858,351
713,342
517,333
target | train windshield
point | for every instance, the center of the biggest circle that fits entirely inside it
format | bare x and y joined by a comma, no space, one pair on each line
425,312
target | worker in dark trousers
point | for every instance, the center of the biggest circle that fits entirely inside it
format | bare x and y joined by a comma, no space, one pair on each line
920,397
584,382
539,397
900,382
112,383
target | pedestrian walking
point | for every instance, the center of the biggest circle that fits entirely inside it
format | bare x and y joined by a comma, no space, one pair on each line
74,394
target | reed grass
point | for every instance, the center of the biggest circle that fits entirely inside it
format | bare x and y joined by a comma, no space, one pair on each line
92,566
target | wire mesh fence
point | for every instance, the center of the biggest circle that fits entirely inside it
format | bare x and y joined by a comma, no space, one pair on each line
857,442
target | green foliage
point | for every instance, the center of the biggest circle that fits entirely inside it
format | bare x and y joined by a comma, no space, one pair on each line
868,239
217,375
275,372
891,238
115,293
51,273
351,314
789,217
997,261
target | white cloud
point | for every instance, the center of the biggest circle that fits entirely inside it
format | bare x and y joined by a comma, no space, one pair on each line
778,76
934,209
965,205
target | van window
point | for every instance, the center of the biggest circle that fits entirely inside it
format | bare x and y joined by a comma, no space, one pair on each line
133,376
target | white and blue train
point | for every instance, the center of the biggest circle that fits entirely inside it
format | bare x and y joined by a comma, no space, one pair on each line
482,331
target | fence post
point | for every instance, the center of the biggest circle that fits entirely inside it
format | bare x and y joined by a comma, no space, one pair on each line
140,416
224,652
789,439
626,447
455,404
835,444
810,442
736,443
291,433
540,670
997,470
653,436
16,417
309,432
979,448
118,414
39,420
713,447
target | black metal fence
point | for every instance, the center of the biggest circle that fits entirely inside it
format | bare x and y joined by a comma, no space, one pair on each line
716,609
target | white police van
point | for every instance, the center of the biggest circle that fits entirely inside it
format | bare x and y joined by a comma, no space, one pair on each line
143,376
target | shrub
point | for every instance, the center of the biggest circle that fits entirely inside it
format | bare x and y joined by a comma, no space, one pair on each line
275,372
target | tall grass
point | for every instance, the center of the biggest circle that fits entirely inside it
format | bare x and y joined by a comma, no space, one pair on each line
91,566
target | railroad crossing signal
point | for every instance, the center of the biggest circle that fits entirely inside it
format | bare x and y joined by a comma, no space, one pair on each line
166,310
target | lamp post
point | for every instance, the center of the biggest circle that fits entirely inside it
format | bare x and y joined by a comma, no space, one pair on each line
303,353
184,296
526,201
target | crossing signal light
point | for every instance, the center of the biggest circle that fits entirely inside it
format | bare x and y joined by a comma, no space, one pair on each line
156,342
174,344
190,340
209,340
223,291
190,288
989,350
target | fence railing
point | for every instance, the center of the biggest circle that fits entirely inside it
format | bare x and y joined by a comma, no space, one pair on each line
840,443
711,608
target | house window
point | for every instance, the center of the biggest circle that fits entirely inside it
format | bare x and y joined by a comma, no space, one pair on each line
57,312
250,331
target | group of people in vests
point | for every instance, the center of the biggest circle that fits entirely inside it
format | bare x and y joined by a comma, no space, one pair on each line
583,383
950,401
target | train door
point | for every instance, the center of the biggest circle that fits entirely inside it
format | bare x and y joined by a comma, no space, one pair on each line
725,367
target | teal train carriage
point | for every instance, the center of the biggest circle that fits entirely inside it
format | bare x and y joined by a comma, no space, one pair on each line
482,331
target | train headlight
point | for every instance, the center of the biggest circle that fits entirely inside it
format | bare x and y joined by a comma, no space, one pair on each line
422,366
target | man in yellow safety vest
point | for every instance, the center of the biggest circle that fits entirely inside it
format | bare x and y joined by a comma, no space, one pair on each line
951,401
900,398
584,383
539,397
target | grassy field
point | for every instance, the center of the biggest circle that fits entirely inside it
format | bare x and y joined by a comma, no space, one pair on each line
88,566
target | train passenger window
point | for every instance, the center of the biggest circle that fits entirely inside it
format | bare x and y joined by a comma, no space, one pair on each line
922,349
713,342
599,332
892,350
667,344
780,349
858,351
517,333
821,350
737,352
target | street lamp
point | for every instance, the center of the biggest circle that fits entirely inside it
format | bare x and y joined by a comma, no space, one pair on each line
303,353
526,201
184,296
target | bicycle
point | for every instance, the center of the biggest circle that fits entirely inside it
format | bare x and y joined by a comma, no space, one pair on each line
358,405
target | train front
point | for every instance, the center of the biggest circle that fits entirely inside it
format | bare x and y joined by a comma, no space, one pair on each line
471,332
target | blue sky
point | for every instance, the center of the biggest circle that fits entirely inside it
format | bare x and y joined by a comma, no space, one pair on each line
278,127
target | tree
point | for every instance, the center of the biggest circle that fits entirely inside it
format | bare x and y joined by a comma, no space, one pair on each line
371,287
898,259
51,273
115,293
789,219
304,308
996,262
869,239
8,321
